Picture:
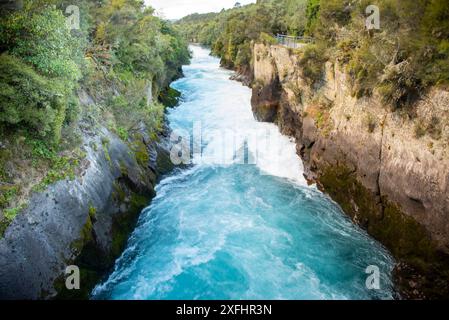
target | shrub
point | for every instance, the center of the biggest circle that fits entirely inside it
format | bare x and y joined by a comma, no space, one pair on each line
31,100
335,11
243,58
312,14
131,111
419,129
434,128
40,36
364,70
7,192
267,39
39,70
398,86
122,133
312,59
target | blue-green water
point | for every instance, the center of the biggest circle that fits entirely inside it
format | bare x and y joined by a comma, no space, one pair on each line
224,230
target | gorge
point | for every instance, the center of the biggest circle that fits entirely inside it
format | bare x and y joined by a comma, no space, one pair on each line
283,149
367,107
367,158
236,231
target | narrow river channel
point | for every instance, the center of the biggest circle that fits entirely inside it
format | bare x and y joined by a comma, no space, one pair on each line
244,227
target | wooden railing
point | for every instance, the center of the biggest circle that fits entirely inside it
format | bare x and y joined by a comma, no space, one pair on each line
292,42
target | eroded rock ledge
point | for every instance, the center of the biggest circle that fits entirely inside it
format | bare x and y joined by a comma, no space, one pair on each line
391,181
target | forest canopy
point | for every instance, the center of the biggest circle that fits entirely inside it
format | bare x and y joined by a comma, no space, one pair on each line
71,66
407,55
43,60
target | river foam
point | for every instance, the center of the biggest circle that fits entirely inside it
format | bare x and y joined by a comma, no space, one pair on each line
231,229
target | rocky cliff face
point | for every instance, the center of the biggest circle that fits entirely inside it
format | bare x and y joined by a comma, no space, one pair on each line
83,222
388,170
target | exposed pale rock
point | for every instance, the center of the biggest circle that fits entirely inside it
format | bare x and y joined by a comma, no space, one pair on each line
378,148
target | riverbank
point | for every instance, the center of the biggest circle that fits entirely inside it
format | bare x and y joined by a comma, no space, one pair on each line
367,104
388,179
82,136
224,228
86,220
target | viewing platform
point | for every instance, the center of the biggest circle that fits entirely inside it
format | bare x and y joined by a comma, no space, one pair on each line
293,42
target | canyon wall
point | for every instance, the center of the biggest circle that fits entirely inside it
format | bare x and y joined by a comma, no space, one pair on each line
388,170
85,221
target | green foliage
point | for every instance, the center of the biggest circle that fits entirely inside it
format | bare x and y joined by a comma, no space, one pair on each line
169,97
92,212
44,59
40,150
48,166
131,112
267,39
312,59
39,69
59,166
293,17
40,36
363,67
7,193
434,30
11,213
133,43
8,216
30,99
230,32
333,11
141,151
419,129
431,127
409,54
312,11
140,55
105,144
399,86
123,133
122,55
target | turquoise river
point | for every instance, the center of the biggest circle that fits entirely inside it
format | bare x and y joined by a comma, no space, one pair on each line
241,221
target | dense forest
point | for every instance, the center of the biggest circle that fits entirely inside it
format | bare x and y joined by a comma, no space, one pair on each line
50,50
409,53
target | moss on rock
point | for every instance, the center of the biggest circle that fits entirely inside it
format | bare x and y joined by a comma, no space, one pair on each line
141,152
93,260
124,223
169,97
423,270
